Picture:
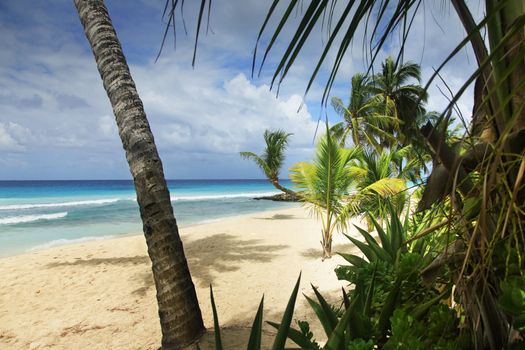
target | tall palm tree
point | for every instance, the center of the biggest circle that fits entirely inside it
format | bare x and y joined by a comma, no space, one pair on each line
400,99
362,117
324,184
180,316
272,158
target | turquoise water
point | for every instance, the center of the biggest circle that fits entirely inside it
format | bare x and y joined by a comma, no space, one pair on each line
40,214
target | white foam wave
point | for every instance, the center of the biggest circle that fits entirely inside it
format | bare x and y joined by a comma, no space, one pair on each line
59,242
10,220
223,196
61,204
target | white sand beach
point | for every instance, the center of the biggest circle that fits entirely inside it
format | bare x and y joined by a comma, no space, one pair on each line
100,294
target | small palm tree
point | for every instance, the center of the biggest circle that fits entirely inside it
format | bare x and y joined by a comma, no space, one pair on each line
272,159
379,184
324,184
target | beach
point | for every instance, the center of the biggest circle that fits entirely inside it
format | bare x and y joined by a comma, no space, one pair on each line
100,294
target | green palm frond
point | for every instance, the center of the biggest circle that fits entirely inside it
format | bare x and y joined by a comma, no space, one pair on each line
385,187
276,143
261,163
272,158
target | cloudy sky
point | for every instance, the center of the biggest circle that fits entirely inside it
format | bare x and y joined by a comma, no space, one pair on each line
56,121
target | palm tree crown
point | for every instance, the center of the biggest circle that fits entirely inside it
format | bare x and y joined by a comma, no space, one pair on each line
401,100
362,116
273,156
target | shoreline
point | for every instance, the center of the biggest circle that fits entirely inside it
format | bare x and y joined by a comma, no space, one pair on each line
86,239
100,294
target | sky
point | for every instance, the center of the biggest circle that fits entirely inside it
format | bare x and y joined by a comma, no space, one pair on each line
56,121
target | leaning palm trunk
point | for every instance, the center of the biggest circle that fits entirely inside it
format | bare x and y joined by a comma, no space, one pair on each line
277,185
180,316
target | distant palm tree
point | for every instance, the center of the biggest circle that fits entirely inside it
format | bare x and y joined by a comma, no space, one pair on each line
272,159
324,184
179,312
362,117
401,100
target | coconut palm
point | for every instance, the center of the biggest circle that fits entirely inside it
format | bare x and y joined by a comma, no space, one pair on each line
324,184
400,99
362,117
272,159
180,316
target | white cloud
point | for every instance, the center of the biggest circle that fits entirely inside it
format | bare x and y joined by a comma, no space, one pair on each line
13,137
107,126
200,118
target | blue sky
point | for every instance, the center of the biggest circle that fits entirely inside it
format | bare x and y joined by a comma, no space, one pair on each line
56,121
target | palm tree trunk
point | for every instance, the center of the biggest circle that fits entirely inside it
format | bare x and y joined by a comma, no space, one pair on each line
180,316
326,243
276,184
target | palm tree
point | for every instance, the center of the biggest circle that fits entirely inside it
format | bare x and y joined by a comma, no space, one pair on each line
401,100
362,117
180,316
379,182
324,184
272,159
488,176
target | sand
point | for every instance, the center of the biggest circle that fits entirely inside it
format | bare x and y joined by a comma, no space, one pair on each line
100,294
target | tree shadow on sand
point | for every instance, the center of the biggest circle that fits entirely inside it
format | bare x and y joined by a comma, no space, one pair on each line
225,253
279,217
206,257
133,260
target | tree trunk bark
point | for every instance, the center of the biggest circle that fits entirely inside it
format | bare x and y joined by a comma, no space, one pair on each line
326,243
277,185
180,316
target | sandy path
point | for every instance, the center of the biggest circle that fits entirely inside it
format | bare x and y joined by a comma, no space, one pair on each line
100,295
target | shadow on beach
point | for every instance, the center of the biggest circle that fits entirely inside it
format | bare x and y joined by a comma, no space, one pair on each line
206,257
279,217
225,253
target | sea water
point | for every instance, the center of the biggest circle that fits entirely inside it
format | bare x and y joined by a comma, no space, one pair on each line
40,214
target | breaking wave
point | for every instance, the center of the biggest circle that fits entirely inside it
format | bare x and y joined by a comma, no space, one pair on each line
11,220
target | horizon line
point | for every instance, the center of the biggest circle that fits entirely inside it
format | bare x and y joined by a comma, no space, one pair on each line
202,179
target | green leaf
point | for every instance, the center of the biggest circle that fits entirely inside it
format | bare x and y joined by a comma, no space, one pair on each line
378,250
364,248
282,333
370,293
385,242
321,316
255,335
388,309
336,339
354,259
216,327
327,310
295,336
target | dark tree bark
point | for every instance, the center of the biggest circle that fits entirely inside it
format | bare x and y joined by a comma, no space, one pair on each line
277,185
180,316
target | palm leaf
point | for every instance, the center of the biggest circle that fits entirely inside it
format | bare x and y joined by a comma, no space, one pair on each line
254,343
282,332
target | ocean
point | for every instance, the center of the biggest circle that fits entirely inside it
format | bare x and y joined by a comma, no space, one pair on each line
40,214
